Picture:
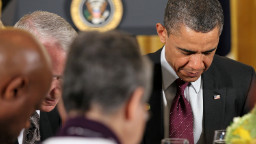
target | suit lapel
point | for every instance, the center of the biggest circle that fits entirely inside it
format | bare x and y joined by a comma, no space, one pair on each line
50,122
155,130
45,126
214,95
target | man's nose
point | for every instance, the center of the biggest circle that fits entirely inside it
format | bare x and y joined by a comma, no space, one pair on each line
196,62
56,84
55,90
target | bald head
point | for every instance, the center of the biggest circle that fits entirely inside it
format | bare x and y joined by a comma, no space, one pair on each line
21,51
25,79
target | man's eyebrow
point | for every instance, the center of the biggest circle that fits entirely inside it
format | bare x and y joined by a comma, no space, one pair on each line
190,51
211,50
186,50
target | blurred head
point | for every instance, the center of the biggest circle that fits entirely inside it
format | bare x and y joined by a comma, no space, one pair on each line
25,75
108,80
191,34
56,34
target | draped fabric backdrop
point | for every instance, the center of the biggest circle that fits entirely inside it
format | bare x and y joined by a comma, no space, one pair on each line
245,21
0,8
149,44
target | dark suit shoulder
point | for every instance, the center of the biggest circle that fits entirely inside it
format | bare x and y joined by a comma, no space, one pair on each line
228,63
50,123
155,57
227,68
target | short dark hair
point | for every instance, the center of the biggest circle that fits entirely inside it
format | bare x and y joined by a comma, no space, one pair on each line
104,69
199,15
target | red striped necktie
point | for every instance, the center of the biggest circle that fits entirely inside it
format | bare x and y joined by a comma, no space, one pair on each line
181,115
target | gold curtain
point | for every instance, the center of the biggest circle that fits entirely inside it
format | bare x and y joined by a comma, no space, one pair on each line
0,8
245,22
149,44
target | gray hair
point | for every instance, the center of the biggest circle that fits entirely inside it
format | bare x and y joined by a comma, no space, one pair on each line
199,15
48,26
104,69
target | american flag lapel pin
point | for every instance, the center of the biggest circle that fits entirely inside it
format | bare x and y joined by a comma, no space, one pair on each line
216,97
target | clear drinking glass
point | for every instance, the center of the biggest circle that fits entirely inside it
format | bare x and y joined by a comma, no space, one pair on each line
174,141
219,137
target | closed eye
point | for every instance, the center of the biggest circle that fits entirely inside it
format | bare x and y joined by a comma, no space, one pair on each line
209,51
186,52
190,52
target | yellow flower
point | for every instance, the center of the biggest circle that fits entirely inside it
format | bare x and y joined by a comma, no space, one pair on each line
243,134
242,141
253,141
239,141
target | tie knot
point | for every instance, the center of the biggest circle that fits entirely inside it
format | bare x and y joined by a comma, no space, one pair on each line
181,85
34,118
32,135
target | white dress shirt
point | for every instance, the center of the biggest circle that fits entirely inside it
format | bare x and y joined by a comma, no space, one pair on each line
77,140
20,137
193,93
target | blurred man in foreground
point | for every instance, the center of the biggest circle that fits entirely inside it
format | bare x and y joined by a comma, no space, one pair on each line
56,35
25,74
106,86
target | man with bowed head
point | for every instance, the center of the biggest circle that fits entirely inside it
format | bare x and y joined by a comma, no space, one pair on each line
106,86
195,92
25,74
56,34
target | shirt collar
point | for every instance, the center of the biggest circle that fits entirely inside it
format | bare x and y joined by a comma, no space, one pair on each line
38,112
169,75
83,127
196,84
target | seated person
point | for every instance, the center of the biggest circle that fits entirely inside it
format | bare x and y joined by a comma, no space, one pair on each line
195,92
25,79
106,86
56,34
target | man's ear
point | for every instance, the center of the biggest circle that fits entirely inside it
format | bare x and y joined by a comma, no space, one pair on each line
162,32
133,103
14,88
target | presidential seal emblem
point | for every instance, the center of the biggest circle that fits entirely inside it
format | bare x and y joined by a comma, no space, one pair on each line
101,15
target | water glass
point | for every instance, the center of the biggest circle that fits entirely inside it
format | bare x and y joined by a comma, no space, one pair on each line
219,137
174,141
